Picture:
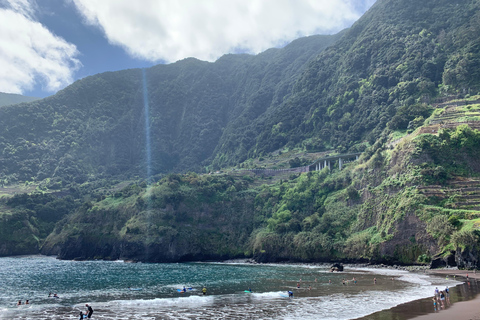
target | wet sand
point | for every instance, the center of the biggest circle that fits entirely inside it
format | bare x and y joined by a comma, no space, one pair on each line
462,305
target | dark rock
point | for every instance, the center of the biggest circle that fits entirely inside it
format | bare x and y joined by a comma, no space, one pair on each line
336,267
442,261
467,259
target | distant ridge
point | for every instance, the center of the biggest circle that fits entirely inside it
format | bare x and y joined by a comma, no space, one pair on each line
12,98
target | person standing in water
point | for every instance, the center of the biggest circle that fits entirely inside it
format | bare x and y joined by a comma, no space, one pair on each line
90,311
204,290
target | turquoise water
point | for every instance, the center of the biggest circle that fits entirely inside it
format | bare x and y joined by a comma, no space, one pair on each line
105,285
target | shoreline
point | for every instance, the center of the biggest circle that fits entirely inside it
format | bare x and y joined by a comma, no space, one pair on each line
463,301
463,304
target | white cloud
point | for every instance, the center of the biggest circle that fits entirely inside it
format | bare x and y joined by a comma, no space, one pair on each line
30,53
170,30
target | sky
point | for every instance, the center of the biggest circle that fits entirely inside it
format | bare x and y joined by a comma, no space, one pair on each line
45,45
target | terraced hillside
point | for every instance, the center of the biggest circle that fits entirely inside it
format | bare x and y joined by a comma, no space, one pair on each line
459,193
454,113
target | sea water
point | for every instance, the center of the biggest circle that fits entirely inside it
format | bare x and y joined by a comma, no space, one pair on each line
119,290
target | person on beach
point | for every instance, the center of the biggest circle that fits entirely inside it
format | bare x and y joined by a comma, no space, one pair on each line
442,299
436,292
90,311
354,280
434,304
447,292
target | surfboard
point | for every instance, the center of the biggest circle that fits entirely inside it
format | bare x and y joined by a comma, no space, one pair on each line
135,289
247,291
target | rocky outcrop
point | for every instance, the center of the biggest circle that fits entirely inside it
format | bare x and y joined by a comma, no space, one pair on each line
467,258
442,261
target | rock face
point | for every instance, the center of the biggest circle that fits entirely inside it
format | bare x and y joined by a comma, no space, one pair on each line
443,261
467,259
80,249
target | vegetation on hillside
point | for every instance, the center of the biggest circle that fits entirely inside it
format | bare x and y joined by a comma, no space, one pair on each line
412,197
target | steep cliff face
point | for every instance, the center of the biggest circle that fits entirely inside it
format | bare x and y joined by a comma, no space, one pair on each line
181,218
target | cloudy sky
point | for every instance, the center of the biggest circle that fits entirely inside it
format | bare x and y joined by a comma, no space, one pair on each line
47,44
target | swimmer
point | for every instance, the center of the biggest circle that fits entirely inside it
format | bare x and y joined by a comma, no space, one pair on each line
26,302
19,303
329,281
374,280
298,285
90,311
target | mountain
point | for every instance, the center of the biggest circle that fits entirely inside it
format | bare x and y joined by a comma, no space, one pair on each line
10,98
401,86
95,128
397,56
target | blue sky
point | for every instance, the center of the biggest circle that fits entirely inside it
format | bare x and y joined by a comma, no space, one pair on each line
46,45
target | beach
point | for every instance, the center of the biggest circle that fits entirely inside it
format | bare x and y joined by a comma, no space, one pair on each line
463,303
154,291
463,310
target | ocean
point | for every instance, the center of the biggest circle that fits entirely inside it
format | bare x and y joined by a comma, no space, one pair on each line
120,290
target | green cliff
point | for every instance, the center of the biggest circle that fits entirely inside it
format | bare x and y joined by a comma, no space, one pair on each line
401,86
